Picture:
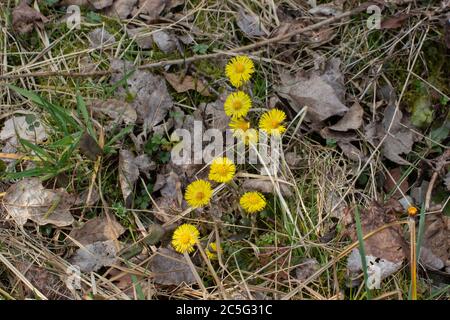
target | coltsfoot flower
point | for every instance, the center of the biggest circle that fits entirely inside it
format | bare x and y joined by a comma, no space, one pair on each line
239,70
184,238
237,104
253,201
272,122
222,170
198,193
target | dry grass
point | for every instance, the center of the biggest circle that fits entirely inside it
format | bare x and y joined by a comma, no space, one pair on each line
300,222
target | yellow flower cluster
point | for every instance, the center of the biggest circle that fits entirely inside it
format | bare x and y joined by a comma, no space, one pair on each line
222,170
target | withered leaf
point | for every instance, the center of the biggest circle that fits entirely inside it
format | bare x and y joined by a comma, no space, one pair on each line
98,229
89,147
117,110
321,92
170,268
99,37
24,18
250,24
265,186
394,22
152,8
387,244
28,199
122,8
306,268
165,41
352,119
19,127
95,255
435,251
351,151
183,83
128,174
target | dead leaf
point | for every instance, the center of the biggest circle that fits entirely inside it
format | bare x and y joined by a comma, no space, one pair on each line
98,229
24,18
94,256
183,83
152,8
265,186
142,40
117,110
387,244
99,37
28,199
89,147
165,41
351,151
435,250
128,175
390,185
171,201
152,99
250,24
352,119
47,282
377,269
170,268
322,92
24,127
447,181
214,114
394,22
306,268
122,8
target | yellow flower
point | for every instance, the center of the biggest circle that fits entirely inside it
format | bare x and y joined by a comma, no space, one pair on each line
237,104
222,170
184,238
412,211
253,201
198,193
241,129
239,70
271,122
211,251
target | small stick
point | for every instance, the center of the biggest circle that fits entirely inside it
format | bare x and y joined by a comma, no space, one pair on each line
196,275
412,232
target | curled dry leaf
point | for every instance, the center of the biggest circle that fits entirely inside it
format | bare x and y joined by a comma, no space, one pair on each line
128,175
377,269
165,41
28,199
265,186
99,37
352,119
98,229
183,83
214,113
170,268
351,151
250,24
95,256
24,18
171,201
322,93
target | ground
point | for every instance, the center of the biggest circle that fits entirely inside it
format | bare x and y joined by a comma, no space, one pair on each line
93,94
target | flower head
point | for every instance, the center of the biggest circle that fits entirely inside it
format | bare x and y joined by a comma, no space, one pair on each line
184,238
412,211
241,129
239,70
222,170
272,122
253,202
211,251
198,193
237,104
